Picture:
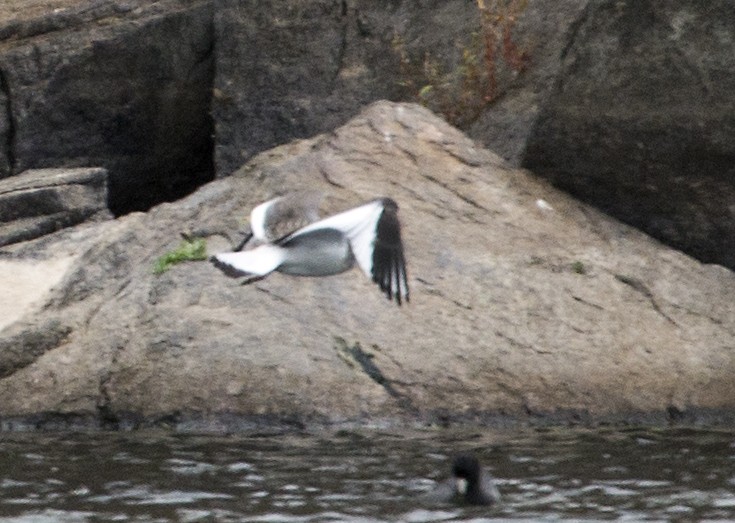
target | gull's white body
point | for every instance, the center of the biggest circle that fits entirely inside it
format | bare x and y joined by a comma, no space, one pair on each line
368,234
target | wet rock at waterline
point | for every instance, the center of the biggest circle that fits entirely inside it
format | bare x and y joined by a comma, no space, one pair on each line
524,303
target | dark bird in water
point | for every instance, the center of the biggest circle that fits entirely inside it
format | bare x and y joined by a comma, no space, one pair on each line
469,484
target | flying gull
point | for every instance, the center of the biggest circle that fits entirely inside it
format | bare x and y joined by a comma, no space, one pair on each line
292,239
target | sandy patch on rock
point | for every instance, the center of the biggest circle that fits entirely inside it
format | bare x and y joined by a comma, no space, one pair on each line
26,284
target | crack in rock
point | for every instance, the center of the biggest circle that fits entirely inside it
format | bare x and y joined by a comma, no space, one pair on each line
638,286
9,145
431,289
341,48
355,357
456,193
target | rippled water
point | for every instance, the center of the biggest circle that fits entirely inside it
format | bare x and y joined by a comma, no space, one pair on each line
543,475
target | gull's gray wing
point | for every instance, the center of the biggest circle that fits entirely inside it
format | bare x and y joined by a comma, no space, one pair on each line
277,218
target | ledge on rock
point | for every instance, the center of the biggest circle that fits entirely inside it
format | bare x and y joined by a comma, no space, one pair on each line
42,201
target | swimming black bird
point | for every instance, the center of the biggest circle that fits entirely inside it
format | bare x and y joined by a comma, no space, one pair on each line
469,484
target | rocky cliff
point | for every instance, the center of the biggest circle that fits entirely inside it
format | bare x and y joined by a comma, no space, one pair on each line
624,104
121,85
640,122
525,302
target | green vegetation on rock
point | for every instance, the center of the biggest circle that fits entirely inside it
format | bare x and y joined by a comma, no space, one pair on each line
191,249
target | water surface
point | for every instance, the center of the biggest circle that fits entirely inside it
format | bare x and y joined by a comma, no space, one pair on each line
362,476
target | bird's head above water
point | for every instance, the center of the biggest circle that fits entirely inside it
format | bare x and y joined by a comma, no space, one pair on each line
471,483
466,469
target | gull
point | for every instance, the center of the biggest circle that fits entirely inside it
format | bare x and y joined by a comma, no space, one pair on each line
293,240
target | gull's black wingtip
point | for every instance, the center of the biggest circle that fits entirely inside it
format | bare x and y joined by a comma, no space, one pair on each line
389,265
229,270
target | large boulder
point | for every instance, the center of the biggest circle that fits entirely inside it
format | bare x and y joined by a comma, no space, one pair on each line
624,104
524,304
641,121
289,70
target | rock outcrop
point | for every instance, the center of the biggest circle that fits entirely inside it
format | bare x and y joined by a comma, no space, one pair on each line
524,303
129,85
317,65
122,85
314,67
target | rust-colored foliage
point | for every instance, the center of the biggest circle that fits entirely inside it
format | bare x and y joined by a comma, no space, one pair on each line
461,94
497,20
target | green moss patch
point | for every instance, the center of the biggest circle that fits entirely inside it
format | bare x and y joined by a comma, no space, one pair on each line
193,249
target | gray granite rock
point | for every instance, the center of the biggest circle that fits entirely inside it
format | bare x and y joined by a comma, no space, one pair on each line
525,304
624,104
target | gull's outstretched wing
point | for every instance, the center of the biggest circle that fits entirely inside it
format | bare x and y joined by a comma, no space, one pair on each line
273,220
374,233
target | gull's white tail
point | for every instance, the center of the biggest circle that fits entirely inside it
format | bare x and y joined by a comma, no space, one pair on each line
260,261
